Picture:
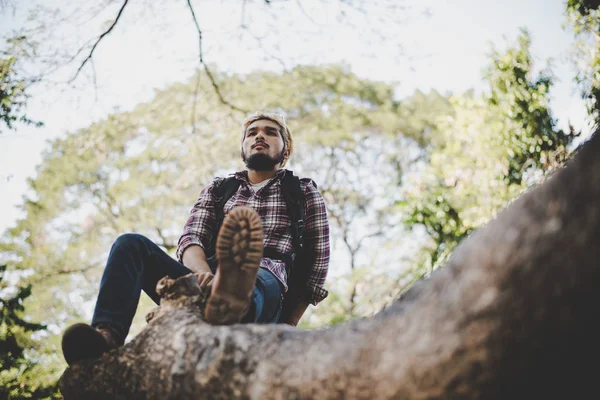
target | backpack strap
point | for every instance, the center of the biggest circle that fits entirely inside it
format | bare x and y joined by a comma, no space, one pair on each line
298,275
294,201
222,191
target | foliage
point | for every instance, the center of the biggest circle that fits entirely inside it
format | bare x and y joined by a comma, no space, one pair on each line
13,87
15,340
584,7
531,139
492,148
584,20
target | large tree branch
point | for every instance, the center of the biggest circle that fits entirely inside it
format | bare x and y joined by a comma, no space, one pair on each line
512,315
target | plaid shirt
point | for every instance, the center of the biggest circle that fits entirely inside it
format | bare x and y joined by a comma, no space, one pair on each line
270,206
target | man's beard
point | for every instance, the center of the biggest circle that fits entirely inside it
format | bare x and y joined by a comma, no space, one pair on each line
262,161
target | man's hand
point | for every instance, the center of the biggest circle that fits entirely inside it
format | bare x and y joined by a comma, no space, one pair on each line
204,279
195,259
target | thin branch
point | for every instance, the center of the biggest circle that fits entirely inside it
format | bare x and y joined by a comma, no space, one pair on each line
194,103
52,70
352,300
64,271
243,19
208,72
165,243
218,91
198,29
263,49
306,14
95,80
370,235
5,4
89,57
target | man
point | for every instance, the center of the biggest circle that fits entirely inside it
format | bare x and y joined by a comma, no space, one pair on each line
245,286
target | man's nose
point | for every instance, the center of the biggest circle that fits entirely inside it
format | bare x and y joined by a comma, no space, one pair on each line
260,135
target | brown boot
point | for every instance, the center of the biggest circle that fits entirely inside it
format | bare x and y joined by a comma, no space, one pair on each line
239,251
81,341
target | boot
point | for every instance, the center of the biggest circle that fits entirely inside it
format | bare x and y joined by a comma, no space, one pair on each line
82,341
239,251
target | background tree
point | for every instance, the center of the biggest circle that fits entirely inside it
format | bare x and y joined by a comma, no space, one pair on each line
493,147
359,177
13,86
584,20
15,340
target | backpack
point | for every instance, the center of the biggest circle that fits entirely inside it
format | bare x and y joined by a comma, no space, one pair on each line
296,267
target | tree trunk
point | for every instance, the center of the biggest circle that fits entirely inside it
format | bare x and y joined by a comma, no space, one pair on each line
511,315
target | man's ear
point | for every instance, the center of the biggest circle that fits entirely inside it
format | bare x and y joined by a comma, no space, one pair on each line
286,155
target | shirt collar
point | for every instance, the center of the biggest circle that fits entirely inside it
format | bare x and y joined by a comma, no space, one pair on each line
243,176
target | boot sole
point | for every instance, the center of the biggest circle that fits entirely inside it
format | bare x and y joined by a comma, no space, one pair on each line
239,251
81,341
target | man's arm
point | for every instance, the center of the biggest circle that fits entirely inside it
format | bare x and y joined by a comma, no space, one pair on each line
295,309
195,259
197,234
309,289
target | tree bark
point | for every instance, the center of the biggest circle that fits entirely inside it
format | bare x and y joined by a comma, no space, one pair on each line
511,315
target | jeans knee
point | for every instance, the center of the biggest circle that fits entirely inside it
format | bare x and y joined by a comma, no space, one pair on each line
268,285
129,241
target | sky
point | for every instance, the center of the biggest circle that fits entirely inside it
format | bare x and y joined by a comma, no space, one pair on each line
433,44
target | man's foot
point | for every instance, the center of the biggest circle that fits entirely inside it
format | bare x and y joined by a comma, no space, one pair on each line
239,251
81,341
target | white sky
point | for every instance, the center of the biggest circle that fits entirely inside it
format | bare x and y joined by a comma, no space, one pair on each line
151,49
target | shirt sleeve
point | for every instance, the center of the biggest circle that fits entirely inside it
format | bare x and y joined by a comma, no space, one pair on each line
201,224
316,240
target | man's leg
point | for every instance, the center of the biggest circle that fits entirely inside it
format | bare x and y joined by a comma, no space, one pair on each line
267,298
134,264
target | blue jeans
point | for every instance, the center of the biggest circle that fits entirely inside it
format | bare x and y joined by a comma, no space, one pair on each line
135,263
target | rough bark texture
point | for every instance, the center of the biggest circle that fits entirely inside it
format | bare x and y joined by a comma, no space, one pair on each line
512,315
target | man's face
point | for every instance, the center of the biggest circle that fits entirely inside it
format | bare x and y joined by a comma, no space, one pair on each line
263,147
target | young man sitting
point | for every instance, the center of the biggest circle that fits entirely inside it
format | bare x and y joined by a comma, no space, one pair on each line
251,223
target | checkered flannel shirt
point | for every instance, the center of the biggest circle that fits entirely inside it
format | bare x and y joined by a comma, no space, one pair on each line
270,206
